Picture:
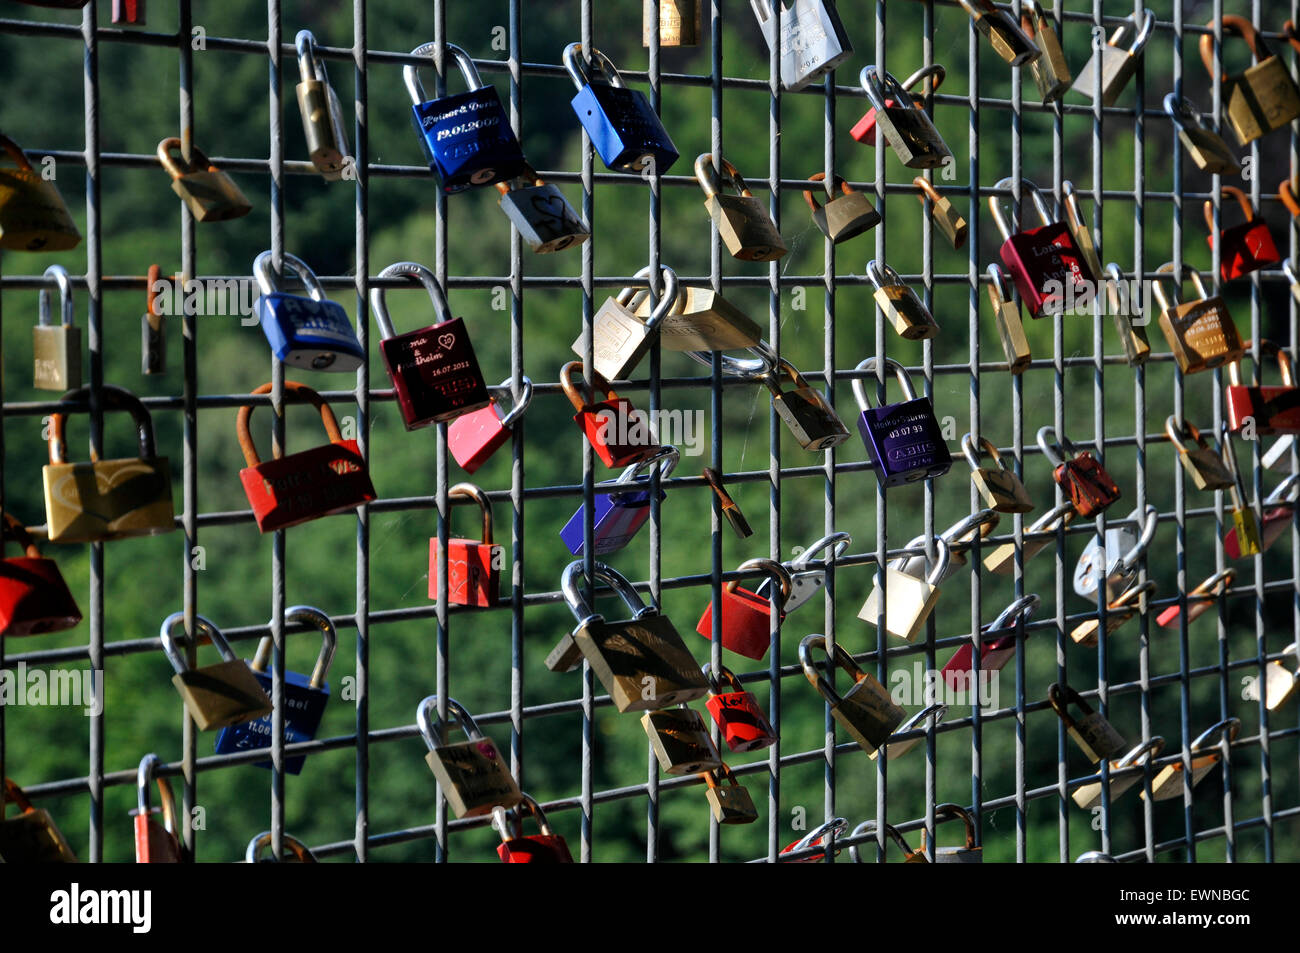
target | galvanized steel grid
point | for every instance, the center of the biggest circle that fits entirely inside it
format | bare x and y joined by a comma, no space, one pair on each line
91,34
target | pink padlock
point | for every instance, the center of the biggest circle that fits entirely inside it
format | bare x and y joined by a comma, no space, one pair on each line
475,436
1200,599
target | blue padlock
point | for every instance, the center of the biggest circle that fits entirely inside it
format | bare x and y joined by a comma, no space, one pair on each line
466,138
304,698
623,128
619,516
309,332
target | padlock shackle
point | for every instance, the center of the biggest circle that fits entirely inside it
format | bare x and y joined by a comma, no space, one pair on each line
832,827
144,776
570,388
842,660
1047,523
869,366
263,840
416,272
882,276
1073,211
1228,454
837,182
1266,347
972,455
430,725
1150,523
309,68
527,805
1064,445
1233,24
959,812
880,90
1000,285
112,398
1143,33
963,531
748,368
1183,113
151,291
1060,697
723,674
1216,585
838,542
172,648
60,276
1158,287
1228,728
1116,276
411,72
1279,493
310,396
1291,36
712,181
934,69
264,272
16,796
667,297
1229,191
722,773
16,531
473,494
937,709
1008,618
577,65
1179,435
262,660
771,568
173,166
1005,228
14,152
525,398
928,191
1150,749
577,602
1126,599
666,457
1287,194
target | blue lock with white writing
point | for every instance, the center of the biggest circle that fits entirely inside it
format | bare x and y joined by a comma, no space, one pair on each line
619,516
466,138
624,130
304,698
308,332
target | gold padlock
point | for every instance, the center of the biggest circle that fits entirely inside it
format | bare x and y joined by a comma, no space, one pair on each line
999,488
322,116
943,213
1039,535
56,348
865,711
32,837
680,22
1130,321
1205,146
1011,327
1169,782
1280,682
1094,735
1261,99
1201,333
1008,39
1079,228
620,340
1050,71
966,854
1245,523
219,695
909,600
211,195
681,741
867,827
743,224
473,776
1126,605
730,802
910,318
33,216
701,320
844,216
1088,796
1204,465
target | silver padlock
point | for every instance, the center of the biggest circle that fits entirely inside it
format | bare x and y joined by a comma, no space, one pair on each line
619,338
806,580
56,348
813,40
545,219
1114,558
322,116
958,537
908,600
1118,64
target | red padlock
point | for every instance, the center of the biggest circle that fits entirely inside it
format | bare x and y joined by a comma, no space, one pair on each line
303,486
1085,481
475,436
814,838
1272,409
547,847
742,722
865,130
1200,599
618,432
1049,269
747,616
1247,247
33,596
128,11
997,646
473,566
155,843
1276,521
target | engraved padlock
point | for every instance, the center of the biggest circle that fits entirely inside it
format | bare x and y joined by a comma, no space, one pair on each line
620,339
56,348
865,711
1094,735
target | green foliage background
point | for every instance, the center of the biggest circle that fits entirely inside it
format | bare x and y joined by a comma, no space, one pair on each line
140,216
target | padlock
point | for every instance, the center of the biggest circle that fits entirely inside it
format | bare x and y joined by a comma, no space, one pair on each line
304,698
866,827
1261,99
942,213
466,137
153,327
545,219
812,41
1247,247
999,488
730,508
958,536
308,484
296,851
617,431
1046,263
473,566
155,843
1279,681
747,617
743,224
1116,63
1169,782
806,412
1205,146
966,854
1278,456
1201,333
34,599
908,600
435,375
906,126
741,721
1088,796
1113,561
1009,41
865,711
900,304
998,641
921,721
1079,228
1050,71
680,740
471,774
107,499
546,847
1092,733
56,348
701,320
844,216
1203,464
903,440
623,128
1267,409
1011,328
619,516
1124,606
1130,320
730,802
212,196
311,331
1200,599
31,837
1279,508
475,436
680,22
865,130
642,662
33,216
1247,540
226,693
1037,537
322,116
822,834
1083,479
130,12
619,339
806,579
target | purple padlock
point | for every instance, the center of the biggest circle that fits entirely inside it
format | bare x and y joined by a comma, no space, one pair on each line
903,440
619,516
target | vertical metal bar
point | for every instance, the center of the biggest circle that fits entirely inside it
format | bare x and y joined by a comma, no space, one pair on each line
588,459
652,241
443,675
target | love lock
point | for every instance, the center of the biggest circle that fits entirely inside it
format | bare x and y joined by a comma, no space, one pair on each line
1114,559
806,579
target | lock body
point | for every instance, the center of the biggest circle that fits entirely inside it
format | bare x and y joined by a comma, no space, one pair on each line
56,351
311,334
642,663
625,132
108,499
307,485
473,776
904,442
745,227
746,621
908,603
34,598
1048,268
304,707
616,519
743,724
435,374
812,40
680,22
546,221
220,695
681,741
467,139
473,437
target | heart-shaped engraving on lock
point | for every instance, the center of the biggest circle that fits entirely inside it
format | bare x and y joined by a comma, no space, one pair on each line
445,341
552,207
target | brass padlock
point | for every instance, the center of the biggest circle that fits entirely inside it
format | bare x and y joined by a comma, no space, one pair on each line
680,740
1092,733
219,695
1245,523
701,320
844,216
680,22
1050,71
1279,681
620,340
730,508
905,311
927,719
1040,535
1205,146
1130,320
1200,599
1079,228
1169,782
1126,605
943,213
1088,796
211,195
999,488
1261,99
153,326
56,348
906,126
1203,464
1201,333
1116,64
322,116
865,711
32,837
546,221
295,851
1011,327
1009,41
472,775
909,600
33,216
730,802
806,412
743,224
866,827
967,853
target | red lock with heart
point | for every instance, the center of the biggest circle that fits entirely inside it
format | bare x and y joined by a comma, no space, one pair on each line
475,436
1246,247
547,847
473,566
747,616
155,843
617,431
1050,270
34,599
1271,408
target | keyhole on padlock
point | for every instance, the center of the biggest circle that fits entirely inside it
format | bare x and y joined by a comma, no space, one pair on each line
321,361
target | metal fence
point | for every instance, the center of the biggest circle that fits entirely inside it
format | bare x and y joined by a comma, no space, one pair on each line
1187,520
